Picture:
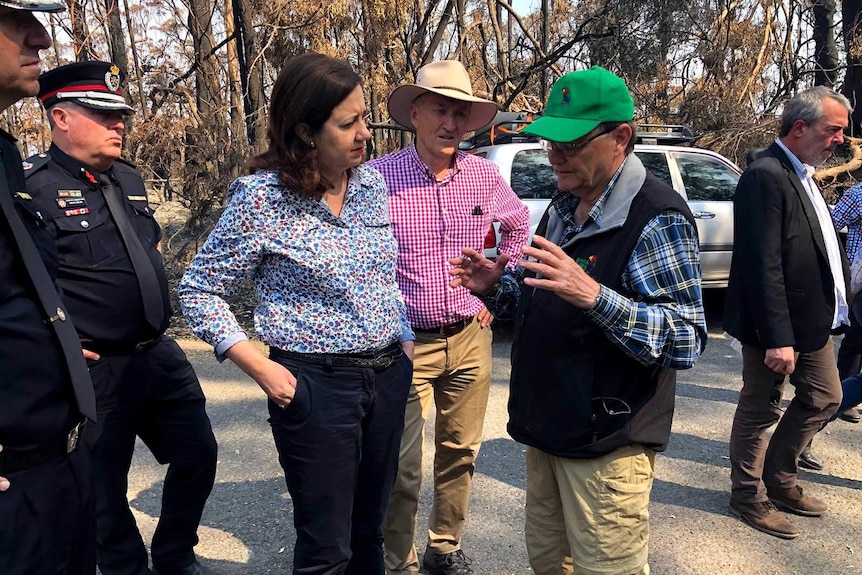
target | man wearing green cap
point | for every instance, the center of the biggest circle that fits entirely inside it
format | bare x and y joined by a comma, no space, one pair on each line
46,395
608,306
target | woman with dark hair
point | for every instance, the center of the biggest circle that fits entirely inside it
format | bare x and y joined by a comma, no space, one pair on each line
310,227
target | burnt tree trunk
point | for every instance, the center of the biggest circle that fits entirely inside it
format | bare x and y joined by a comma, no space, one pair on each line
825,50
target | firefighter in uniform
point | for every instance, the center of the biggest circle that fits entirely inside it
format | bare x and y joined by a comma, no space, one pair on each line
114,283
46,516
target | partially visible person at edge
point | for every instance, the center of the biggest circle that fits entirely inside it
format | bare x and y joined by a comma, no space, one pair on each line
441,199
788,289
310,227
847,213
608,307
114,282
46,396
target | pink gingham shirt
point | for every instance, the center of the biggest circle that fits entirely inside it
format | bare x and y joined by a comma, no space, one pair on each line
433,221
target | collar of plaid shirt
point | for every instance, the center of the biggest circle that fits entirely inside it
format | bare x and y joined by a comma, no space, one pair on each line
566,203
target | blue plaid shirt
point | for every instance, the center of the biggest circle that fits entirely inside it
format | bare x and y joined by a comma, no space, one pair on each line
664,267
848,212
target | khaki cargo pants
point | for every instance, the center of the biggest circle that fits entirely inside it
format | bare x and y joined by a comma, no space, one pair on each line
589,516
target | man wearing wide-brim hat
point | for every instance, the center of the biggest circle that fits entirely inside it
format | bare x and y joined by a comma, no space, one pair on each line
441,199
609,306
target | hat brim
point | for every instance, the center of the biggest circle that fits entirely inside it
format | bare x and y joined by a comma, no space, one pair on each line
124,108
95,104
482,111
560,129
35,6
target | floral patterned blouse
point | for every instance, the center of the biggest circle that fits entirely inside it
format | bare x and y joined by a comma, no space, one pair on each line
324,284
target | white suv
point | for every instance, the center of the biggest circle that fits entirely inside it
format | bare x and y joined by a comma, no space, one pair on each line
705,179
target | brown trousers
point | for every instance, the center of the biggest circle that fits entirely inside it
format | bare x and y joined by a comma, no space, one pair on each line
456,373
758,465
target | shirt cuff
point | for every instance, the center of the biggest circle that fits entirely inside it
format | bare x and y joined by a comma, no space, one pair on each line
407,334
227,343
611,309
489,297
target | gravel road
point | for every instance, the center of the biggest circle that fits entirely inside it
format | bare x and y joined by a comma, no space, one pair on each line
247,526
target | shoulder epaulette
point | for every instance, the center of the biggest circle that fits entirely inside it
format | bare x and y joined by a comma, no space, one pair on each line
35,163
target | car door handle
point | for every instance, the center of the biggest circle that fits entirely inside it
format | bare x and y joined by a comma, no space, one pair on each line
704,215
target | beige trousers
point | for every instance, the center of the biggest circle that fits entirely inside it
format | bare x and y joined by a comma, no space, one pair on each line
589,516
456,373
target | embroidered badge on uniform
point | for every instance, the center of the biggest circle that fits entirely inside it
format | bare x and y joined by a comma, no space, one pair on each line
587,264
71,202
137,198
77,212
23,195
69,194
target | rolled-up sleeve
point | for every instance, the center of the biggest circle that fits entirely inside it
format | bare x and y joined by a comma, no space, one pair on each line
514,218
666,324
230,255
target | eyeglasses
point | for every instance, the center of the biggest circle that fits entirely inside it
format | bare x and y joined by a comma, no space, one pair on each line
574,148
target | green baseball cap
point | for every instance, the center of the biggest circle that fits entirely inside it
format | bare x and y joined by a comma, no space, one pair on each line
579,102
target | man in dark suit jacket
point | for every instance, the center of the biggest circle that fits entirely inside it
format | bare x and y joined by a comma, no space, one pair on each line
787,291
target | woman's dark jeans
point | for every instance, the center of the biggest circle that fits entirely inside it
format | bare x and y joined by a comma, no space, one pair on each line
338,443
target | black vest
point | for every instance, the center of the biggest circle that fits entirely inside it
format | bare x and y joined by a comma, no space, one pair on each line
574,393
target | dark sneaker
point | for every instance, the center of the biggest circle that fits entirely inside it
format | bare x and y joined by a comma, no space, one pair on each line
794,501
808,460
763,516
455,563
850,415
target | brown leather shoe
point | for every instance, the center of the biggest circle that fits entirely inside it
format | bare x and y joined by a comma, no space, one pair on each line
763,516
794,501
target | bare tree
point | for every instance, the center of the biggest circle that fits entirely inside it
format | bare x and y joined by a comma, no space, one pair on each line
80,31
825,50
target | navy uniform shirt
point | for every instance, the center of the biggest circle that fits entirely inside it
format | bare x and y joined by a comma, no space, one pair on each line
37,403
96,275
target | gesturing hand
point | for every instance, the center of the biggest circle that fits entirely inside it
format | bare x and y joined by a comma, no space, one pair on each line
476,272
560,274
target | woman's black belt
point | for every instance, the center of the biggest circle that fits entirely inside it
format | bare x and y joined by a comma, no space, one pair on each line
378,359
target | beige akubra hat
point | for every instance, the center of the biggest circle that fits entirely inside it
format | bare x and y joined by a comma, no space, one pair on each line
447,78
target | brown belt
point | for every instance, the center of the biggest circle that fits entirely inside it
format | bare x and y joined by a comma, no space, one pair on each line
448,330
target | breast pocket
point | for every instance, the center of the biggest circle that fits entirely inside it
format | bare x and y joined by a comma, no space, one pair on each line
378,247
145,224
83,241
